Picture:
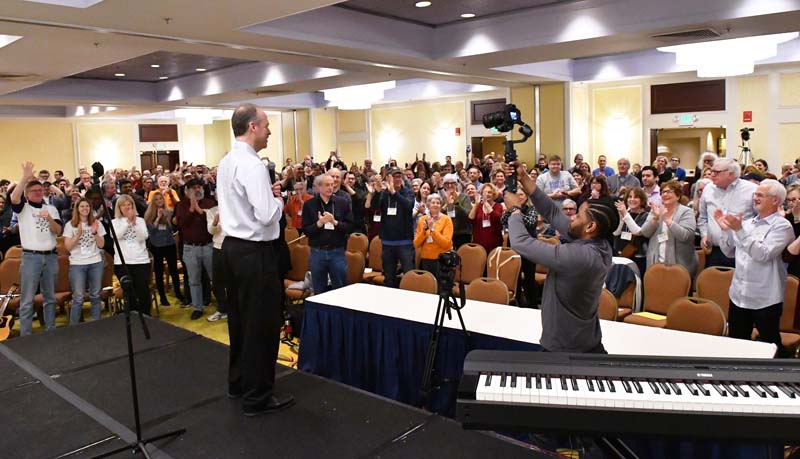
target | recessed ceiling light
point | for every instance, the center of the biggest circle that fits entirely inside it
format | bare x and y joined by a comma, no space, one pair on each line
422,4
200,69
468,15
163,77
155,66
119,74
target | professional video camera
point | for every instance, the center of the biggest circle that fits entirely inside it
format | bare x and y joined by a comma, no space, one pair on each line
745,133
448,262
504,121
745,155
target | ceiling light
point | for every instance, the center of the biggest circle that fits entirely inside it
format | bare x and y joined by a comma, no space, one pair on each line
422,4
468,15
733,57
359,97
163,77
200,69
6,40
154,66
119,74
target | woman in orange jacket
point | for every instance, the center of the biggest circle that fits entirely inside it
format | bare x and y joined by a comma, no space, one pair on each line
434,235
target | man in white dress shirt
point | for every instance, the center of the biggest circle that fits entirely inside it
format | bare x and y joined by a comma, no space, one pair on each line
759,282
250,210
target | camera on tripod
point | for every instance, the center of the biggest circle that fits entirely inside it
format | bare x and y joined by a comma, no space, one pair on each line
448,262
745,133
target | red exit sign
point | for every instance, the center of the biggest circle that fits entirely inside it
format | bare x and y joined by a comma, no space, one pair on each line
747,116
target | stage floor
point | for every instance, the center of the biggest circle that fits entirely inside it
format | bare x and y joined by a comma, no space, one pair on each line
69,388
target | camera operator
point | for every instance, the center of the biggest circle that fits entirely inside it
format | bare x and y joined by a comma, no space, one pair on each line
569,314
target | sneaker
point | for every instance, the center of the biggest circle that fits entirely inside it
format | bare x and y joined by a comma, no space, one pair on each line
217,316
196,314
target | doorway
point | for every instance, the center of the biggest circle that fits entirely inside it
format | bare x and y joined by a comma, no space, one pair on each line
483,146
687,144
167,159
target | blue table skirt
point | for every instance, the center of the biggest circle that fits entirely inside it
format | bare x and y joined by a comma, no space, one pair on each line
386,356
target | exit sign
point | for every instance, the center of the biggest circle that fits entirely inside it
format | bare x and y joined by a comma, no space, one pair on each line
747,116
686,120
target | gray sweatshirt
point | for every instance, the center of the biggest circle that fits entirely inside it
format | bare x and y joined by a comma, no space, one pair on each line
572,290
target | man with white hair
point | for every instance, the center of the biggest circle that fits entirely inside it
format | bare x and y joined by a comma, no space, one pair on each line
729,194
759,282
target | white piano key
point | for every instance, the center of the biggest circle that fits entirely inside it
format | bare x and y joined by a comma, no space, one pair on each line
520,394
480,391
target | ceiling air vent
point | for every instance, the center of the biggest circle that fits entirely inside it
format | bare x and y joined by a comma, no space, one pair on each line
694,34
17,76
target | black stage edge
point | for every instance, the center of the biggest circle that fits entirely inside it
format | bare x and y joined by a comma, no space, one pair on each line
182,382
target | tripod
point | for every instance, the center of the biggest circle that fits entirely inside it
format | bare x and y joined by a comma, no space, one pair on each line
447,303
130,297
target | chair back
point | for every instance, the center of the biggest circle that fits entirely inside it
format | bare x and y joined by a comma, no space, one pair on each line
62,282
790,305
290,234
108,270
664,284
358,242
608,307
696,315
14,252
375,248
713,283
355,266
418,280
473,262
552,240
504,264
9,273
701,261
487,290
299,254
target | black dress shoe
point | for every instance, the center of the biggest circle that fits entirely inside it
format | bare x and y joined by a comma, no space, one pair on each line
196,314
164,301
274,404
232,395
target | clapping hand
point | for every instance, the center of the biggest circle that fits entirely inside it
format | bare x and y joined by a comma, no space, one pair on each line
621,208
27,172
390,186
657,210
276,189
95,226
130,214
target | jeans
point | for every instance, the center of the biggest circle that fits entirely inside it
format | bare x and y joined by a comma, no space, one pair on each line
78,276
195,259
37,271
390,255
324,263
218,273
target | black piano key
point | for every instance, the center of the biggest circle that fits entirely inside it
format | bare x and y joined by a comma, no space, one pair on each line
513,380
600,384
503,380
610,384
741,390
654,387
703,390
758,390
731,389
637,386
528,381
719,389
488,380
538,381
590,384
692,389
769,391
573,383
674,387
563,382
626,386
663,387
794,388
785,390
547,384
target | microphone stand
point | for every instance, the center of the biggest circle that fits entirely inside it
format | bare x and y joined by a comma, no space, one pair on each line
129,297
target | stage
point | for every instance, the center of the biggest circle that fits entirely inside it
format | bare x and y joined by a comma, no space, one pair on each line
67,389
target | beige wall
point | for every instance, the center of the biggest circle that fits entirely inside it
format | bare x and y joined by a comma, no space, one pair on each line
303,136
113,144
551,119
47,144
616,123
351,120
322,131
218,138
523,98
752,94
193,149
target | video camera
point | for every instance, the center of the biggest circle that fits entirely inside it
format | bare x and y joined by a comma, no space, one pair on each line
448,262
503,120
745,133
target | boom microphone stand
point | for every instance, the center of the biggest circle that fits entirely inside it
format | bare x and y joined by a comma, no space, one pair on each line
130,297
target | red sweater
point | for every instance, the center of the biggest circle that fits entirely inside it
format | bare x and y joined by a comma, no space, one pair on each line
490,237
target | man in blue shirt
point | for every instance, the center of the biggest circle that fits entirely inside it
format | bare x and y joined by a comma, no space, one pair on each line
680,173
603,169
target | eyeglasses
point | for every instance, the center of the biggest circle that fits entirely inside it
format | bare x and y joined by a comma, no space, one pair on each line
569,209
717,171
667,191
793,199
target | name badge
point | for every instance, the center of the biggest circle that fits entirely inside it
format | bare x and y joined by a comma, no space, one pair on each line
391,211
376,218
626,236
299,213
328,226
663,237
429,240
486,223
162,227
451,213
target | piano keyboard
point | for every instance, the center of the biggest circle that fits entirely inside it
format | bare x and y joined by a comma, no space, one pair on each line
710,398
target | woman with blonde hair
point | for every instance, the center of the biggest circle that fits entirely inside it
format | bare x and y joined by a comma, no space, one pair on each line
664,173
158,218
434,235
132,234
83,237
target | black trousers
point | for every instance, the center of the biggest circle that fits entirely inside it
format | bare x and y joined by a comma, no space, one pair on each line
767,321
140,275
527,288
254,318
159,255
218,273
717,258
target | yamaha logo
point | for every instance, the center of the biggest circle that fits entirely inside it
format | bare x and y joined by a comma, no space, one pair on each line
705,375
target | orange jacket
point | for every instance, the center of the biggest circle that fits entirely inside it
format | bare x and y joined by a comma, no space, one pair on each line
442,237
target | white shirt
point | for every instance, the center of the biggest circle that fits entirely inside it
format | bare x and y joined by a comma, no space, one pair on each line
736,199
217,235
34,231
85,251
561,182
132,241
760,276
247,208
